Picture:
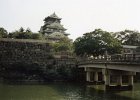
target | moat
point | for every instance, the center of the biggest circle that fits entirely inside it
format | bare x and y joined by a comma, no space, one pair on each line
64,91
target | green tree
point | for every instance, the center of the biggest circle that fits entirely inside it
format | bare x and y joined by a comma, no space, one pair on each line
133,38
96,43
37,36
25,34
128,37
3,33
21,34
28,30
63,45
21,29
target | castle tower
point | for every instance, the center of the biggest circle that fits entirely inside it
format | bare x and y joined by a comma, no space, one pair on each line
52,28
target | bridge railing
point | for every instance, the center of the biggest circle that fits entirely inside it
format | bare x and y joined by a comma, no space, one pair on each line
110,59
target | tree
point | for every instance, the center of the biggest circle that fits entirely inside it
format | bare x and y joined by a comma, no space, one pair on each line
128,37
63,45
96,43
133,38
28,30
21,29
25,34
21,34
3,33
37,36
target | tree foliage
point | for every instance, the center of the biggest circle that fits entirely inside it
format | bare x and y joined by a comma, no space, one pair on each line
3,33
128,37
63,45
37,36
24,34
96,43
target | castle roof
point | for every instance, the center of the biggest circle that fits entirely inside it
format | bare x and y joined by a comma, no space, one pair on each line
56,26
53,16
56,35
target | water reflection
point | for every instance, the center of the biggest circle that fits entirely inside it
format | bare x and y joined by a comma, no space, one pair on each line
64,91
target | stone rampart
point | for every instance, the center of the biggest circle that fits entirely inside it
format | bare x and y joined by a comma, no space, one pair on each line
14,51
33,60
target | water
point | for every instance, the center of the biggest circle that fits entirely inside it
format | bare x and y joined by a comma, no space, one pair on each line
64,91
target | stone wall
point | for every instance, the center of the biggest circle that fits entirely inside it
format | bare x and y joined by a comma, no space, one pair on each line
26,51
33,59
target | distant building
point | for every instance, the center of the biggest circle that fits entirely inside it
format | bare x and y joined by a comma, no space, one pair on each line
52,28
130,52
129,49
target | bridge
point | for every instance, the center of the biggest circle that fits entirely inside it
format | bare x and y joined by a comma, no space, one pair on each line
115,73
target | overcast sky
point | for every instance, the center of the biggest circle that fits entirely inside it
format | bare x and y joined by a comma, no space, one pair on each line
78,16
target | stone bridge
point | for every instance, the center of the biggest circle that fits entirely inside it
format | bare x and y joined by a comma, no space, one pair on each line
115,73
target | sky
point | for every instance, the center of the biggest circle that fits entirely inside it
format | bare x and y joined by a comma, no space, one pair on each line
78,16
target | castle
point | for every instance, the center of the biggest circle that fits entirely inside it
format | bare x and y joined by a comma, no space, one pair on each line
52,28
